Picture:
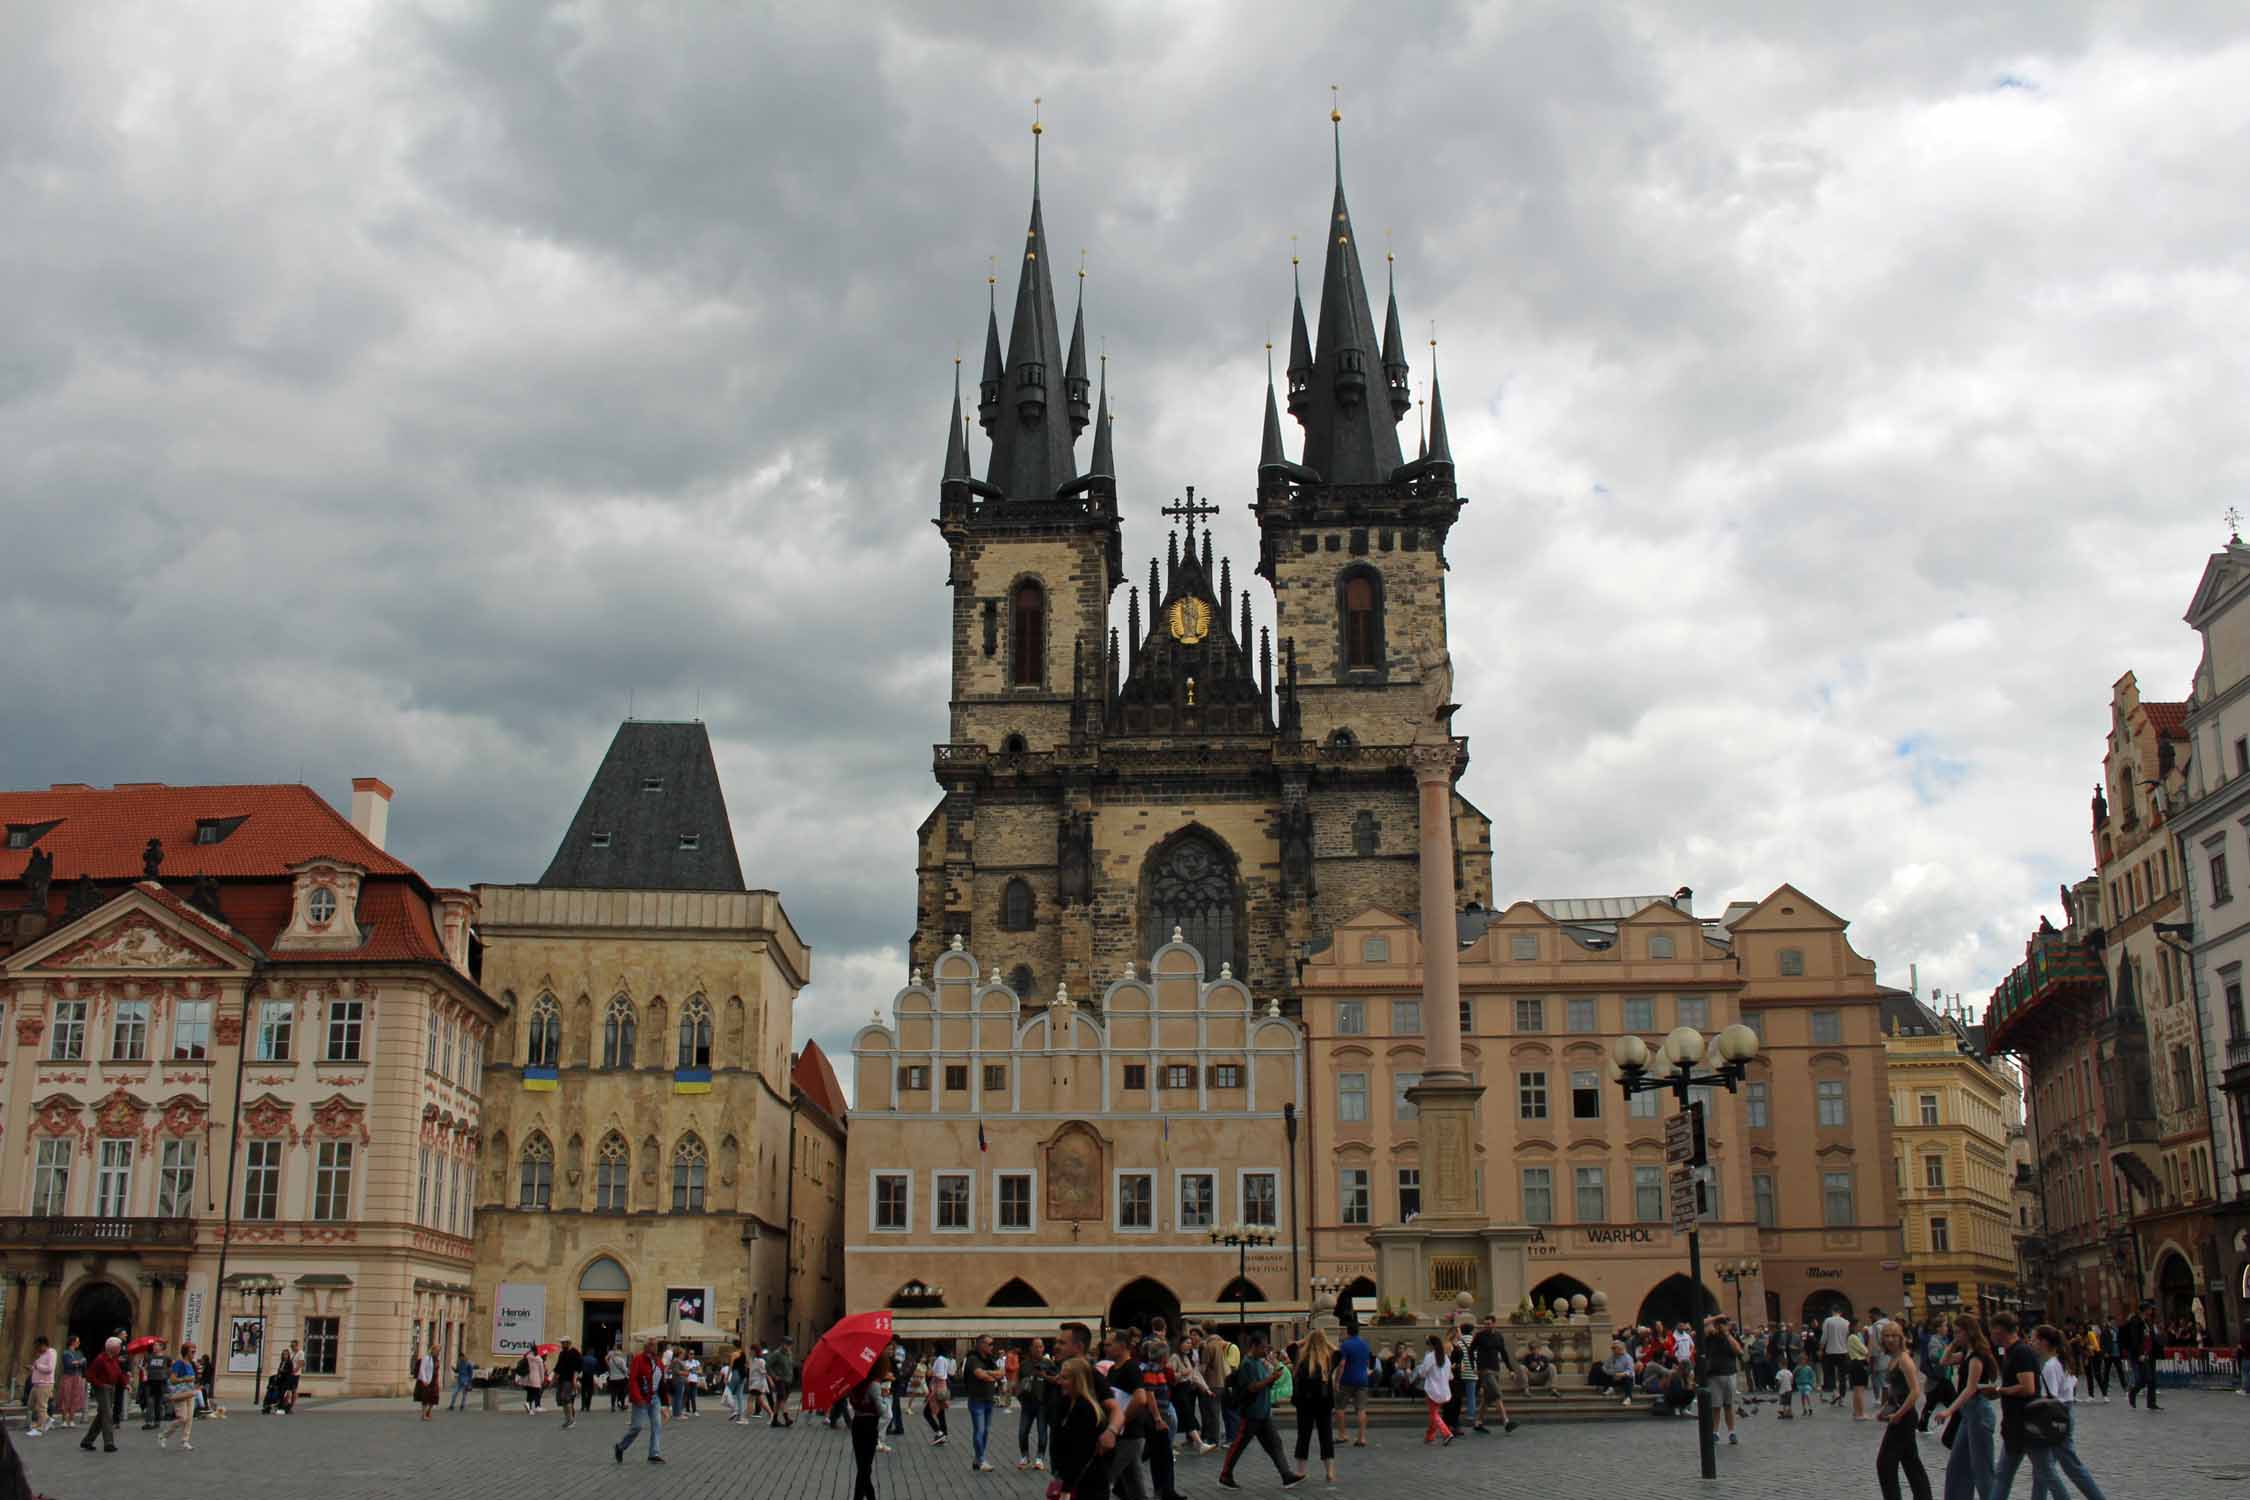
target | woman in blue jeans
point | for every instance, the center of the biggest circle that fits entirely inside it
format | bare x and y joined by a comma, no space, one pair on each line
2058,1377
1968,1469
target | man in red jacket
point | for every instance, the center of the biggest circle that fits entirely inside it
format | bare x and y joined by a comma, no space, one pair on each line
640,1391
107,1376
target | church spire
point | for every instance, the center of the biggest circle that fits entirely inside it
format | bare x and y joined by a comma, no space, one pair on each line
1348,438
956,444
1031,446
1394,348
1440,451
1300,345
1105,461
988,387
1269,451
1074,372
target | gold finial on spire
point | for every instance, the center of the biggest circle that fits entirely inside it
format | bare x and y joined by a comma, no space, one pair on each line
1388,258
1335,105
1081,262
1036,127
992,273
1292,249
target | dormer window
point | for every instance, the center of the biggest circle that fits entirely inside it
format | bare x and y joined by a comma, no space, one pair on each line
691,840
600,841
652,783
19,838
216,830
320,906
25,835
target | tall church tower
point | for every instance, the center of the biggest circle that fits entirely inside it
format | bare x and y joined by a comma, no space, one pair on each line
1103,788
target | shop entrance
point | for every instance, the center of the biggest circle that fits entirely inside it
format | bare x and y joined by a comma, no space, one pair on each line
98,1311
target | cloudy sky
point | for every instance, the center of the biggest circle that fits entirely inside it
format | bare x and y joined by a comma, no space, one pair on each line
404,389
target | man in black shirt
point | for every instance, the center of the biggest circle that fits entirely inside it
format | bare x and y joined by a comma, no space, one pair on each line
565,1374
2019,1384
1490,1351
1720,1354
2139,1335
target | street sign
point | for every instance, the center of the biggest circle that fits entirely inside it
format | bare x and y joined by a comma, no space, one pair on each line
1683,1137
1686,1199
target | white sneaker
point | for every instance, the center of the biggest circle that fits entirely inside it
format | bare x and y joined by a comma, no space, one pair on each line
33,1432
186,1447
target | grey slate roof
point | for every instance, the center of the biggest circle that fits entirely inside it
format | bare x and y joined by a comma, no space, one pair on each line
644,827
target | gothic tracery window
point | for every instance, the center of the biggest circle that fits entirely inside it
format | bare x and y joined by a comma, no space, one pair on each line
535,1187
619,1030
1192,889
612,1175
545,1033
695,1033
1016,907
689,1164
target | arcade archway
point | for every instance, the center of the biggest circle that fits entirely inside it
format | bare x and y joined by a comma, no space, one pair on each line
1822,1303
1675,1300
2175,1287
1558,1285
1140,1302
98,1310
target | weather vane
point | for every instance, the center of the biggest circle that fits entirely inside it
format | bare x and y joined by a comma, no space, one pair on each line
2234,523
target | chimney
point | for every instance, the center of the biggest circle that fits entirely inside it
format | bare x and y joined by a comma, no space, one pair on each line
1683,899
371,809
1914,980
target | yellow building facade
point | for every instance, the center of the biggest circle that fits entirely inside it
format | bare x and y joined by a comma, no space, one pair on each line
1953,1161
1014,1166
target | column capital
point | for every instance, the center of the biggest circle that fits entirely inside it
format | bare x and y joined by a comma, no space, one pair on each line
1433,760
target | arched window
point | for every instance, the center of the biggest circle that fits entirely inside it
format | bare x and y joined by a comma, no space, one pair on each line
1015,907
613,1175
1363,619
535,1179
619,1028
695,1033
545,1031
1191,888
1020,980
1028,641
689,1164
1014,744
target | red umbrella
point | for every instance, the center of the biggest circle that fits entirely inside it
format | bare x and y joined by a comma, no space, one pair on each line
143,1344
842,1359
547,1351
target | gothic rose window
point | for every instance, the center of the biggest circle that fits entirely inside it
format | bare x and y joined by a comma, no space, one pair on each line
1193,889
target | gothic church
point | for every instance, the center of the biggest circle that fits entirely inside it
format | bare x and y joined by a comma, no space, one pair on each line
1104,787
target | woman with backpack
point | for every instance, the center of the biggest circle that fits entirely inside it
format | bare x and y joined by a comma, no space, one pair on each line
2058,1381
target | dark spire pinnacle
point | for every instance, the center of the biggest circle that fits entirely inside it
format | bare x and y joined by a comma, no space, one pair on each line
1440,451
1155,595
1105,461
1074,371
1206,555
988,387
956,444
1349,439
1269,450
1245,636
1171,562
1300,346
1133,616
1394,349
1226,589
1031,444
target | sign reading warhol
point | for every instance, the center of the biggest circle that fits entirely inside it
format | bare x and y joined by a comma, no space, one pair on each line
519,1318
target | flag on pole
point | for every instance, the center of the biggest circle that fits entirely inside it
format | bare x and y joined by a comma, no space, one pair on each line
981,1144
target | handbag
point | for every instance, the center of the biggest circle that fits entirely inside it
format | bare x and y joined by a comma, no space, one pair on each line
2046,1422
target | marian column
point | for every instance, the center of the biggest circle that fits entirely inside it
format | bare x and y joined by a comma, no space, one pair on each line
1446,1099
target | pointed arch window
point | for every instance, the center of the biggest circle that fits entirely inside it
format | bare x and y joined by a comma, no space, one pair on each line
1028,640
695,1033
1361,601
613,1175
690,1164
1191,887
545,1033
535,1173
620,1029
1016,906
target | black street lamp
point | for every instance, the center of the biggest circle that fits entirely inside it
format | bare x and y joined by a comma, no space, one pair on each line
1242,1237
1734,1273
1630,1066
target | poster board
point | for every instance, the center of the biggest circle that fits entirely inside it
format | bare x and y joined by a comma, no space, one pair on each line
246,1344
519,1318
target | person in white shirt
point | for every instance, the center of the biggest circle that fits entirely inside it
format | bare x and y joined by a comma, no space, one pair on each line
937,1396
1835,1338
1435,1375
2058,1378
1683,1344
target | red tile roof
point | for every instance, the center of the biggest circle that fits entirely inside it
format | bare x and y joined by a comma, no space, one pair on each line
2169,719
100,831
812,1073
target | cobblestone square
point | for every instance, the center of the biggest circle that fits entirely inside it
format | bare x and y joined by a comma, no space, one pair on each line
2194,1450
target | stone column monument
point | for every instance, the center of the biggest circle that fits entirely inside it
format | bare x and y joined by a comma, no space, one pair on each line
1450,1251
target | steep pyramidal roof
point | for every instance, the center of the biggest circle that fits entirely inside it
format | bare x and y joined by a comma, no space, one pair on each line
1032,436
1351,431
654,818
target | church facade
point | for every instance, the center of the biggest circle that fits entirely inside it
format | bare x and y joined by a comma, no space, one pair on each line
1102,787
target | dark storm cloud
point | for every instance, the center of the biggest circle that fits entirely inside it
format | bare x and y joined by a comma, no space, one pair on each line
408,389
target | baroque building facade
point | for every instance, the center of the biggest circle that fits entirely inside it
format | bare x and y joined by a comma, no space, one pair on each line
653,1143
1799,1179
1101,786
235,1024
1954,1112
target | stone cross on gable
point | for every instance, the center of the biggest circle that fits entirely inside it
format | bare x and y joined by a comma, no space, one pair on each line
1190,508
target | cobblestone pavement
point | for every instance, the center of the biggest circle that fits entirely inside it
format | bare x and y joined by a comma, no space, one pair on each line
2195,1449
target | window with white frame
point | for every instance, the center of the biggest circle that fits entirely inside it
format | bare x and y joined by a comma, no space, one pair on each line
691,1168
1011,1203
1406,1018
346,1022
1941,1234
435,1027
1646,1105
1523,947
1837,1208
261,1180
1261,1198
1792,962
1828,1102
1351,1097
951,1201
1828,1026
191,1030
1538,1195
1226,1075
128,1032
113,1179
1660,945
893,1205
1578,1013
1351,1018
1694,1010
422,1189
1199,1200
1402,1107
1760,1105
50,1179
1933,1172
1409,1192
1648,1194
175,1180
1352,1194
1640,1012
1592,1188
613,1175
66,1036
1531,1095
1929,1107
1768,1207
276,1020
1585,1094
1179,1075
1531,1014
1136,1200
331,1181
